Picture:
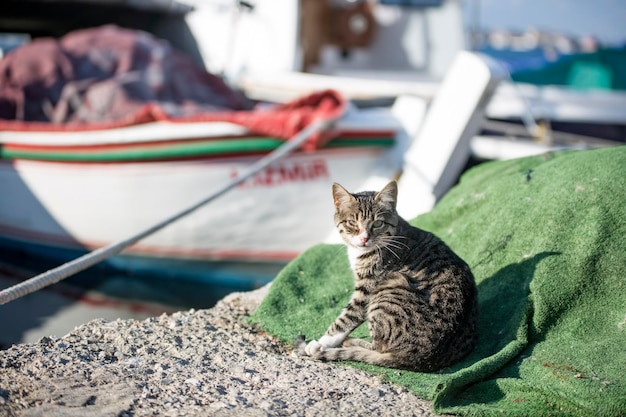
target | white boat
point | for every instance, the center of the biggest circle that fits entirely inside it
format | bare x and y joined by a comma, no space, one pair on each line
75,177
86,189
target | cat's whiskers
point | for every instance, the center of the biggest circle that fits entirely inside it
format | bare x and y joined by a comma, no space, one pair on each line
389,242
394,240
392,251
385,245
379,251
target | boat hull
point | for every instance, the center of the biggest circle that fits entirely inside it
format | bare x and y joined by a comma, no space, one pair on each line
59,208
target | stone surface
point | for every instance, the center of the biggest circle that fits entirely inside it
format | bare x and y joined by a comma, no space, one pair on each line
192,363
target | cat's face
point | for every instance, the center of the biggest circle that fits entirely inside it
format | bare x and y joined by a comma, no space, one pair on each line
368,219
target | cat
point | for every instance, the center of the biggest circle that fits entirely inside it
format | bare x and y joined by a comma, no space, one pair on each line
418,297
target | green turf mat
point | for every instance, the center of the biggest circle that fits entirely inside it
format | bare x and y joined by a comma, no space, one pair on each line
546,239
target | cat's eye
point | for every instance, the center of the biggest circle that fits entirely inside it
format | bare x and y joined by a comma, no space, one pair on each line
377,224
352,222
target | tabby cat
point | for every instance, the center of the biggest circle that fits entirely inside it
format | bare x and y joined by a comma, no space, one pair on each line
417,295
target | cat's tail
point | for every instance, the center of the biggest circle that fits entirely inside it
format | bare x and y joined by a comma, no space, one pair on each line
352,353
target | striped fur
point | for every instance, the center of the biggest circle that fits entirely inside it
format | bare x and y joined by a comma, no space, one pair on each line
417,296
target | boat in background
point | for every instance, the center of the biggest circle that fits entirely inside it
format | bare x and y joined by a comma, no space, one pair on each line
115,152
575,101
75,191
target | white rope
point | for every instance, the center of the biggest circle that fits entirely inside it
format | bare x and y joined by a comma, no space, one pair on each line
70,268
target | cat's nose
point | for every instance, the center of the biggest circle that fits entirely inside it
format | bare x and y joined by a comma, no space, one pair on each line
364,239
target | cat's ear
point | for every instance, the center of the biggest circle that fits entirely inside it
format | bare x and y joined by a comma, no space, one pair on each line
388,195
341,196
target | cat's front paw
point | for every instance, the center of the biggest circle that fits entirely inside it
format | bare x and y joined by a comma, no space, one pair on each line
304,348
313,347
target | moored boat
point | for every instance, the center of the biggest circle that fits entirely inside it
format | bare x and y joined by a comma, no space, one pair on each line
77,197
94,150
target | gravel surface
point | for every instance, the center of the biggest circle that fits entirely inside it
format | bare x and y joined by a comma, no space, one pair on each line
192,363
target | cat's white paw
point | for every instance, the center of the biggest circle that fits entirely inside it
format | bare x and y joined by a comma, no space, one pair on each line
325,341
334,340
313,347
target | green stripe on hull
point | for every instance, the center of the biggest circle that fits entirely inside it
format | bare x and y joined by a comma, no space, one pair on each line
180,150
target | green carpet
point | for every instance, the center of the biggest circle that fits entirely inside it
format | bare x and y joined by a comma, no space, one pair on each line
546,239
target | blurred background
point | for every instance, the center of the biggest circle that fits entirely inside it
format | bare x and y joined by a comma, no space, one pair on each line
545,29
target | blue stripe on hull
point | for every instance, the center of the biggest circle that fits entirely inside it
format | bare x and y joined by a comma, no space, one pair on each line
175,282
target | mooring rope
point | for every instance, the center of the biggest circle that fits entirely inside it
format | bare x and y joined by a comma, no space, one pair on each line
70,268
